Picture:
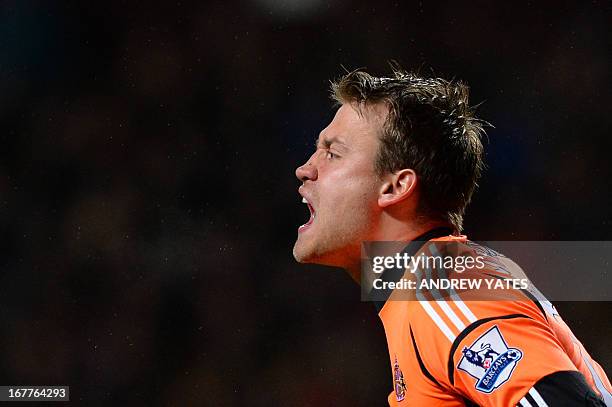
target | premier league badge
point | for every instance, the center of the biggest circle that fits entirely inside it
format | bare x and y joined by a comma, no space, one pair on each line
489,360
398,380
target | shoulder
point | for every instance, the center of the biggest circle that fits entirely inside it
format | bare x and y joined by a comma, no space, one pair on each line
475,347
443,328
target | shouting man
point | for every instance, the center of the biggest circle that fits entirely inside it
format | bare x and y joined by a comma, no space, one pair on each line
400,162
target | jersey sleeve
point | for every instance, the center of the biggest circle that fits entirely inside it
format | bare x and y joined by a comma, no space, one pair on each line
568,388
513,358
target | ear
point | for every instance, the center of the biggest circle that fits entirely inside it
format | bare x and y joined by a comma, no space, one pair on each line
397,187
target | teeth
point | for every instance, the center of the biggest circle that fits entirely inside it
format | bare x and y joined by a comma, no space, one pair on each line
304,200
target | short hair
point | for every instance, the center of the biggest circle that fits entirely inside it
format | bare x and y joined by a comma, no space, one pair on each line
431,129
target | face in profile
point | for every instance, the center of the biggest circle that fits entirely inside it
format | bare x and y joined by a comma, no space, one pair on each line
340,187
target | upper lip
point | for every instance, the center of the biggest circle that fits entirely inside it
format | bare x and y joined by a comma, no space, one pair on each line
305,195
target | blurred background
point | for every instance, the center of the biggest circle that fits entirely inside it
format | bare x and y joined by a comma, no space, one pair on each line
148,204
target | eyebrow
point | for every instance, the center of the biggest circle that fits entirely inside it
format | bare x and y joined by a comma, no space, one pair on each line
327,142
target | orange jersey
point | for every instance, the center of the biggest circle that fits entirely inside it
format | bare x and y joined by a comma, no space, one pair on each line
466,350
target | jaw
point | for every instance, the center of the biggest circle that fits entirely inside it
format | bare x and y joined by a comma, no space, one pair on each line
314,246
338,225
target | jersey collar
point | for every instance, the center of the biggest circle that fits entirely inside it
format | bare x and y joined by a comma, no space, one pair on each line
411,249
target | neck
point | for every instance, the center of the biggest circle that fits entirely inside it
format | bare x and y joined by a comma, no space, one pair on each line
393,226
408,234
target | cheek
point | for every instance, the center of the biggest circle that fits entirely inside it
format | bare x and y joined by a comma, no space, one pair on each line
349,198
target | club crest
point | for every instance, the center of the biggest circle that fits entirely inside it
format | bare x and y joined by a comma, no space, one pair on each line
489,360
398,381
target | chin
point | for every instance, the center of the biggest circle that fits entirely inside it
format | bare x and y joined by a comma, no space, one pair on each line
311,257
304,254
299,254
311,249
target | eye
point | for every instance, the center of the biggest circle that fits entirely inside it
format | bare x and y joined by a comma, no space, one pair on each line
329,155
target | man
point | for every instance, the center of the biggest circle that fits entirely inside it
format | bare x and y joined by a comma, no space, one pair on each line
399,162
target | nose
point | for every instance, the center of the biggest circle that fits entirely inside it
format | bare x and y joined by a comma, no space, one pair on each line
307,171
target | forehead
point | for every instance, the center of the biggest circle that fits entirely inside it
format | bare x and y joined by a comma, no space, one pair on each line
354,123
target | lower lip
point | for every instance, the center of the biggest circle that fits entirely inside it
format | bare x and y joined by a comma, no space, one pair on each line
306,225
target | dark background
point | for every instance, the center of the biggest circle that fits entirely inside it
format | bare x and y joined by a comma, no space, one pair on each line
148,205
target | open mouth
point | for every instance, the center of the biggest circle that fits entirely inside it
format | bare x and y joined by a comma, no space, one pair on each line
311,219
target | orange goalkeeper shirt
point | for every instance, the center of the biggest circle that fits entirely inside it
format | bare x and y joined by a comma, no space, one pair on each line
466,350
